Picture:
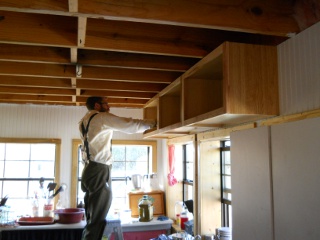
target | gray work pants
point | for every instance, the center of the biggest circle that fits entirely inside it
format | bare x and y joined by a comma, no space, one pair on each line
96,183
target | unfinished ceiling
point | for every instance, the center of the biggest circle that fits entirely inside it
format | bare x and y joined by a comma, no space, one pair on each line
60,52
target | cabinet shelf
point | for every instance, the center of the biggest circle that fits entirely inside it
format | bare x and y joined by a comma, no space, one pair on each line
234,84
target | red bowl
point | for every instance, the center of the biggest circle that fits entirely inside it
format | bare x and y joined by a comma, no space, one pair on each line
69,215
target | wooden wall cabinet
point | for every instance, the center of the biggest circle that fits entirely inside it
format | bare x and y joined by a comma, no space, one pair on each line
236,83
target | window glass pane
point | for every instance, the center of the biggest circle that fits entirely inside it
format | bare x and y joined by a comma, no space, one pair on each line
43,151
118,169
188,192
42,169
227,182
2,145
137,153
227,169
119,194
15,189
80,193
118,153
226,157
1,169
12,171
189,161
34,187
136,168
17,151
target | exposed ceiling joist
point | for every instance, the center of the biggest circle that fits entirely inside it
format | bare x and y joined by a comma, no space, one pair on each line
60,52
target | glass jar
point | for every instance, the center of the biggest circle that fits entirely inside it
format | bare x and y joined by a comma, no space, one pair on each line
145,209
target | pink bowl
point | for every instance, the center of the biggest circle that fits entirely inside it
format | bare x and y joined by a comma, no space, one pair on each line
69,215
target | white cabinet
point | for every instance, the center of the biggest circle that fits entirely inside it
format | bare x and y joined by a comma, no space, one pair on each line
275,181
251,185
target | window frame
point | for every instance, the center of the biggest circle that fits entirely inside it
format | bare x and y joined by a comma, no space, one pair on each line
186,182
226,204
74,169
55,141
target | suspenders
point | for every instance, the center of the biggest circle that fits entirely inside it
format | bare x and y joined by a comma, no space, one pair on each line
85,135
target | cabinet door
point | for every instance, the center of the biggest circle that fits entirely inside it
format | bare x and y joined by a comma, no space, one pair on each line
251,185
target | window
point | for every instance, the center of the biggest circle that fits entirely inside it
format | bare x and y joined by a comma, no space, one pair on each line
188,171
226,206
22,163
129,157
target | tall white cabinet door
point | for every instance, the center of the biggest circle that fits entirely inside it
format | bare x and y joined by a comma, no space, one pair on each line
251,185
296,177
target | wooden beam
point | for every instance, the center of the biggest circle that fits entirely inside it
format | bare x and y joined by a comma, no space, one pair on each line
114,94
135,75
119,85
117,100
42,102
38,54
247,16
34,69
24,97
82,27
73,6
146,38
131,60
73,55
266,17
50,30
34,82
36,90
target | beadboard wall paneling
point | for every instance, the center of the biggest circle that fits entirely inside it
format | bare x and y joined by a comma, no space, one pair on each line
299,72
40,121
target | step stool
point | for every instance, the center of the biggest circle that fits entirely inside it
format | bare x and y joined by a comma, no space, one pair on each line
113,226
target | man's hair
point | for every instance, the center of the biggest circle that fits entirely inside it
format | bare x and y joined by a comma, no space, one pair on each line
91,101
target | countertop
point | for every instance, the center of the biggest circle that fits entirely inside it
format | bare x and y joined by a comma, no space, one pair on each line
135,225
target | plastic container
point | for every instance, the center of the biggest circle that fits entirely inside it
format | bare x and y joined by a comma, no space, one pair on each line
183,218
145,209
178,209
69,215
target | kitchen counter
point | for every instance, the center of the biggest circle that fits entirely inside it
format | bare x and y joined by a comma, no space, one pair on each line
73,231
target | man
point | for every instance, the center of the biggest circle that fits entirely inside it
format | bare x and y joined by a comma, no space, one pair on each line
96,176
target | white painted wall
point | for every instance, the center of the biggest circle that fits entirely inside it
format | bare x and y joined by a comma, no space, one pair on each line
40,121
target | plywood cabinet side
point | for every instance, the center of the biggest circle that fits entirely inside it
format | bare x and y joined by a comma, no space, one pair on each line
170,107
251,79
201,96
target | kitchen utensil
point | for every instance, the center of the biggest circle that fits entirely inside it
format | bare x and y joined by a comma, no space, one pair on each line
136,181
4,200
35,221
51,186
62,188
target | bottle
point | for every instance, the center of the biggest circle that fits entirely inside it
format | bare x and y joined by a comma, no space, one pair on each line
145,209
183,218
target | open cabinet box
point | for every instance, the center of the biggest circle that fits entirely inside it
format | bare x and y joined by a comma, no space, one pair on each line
234,84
